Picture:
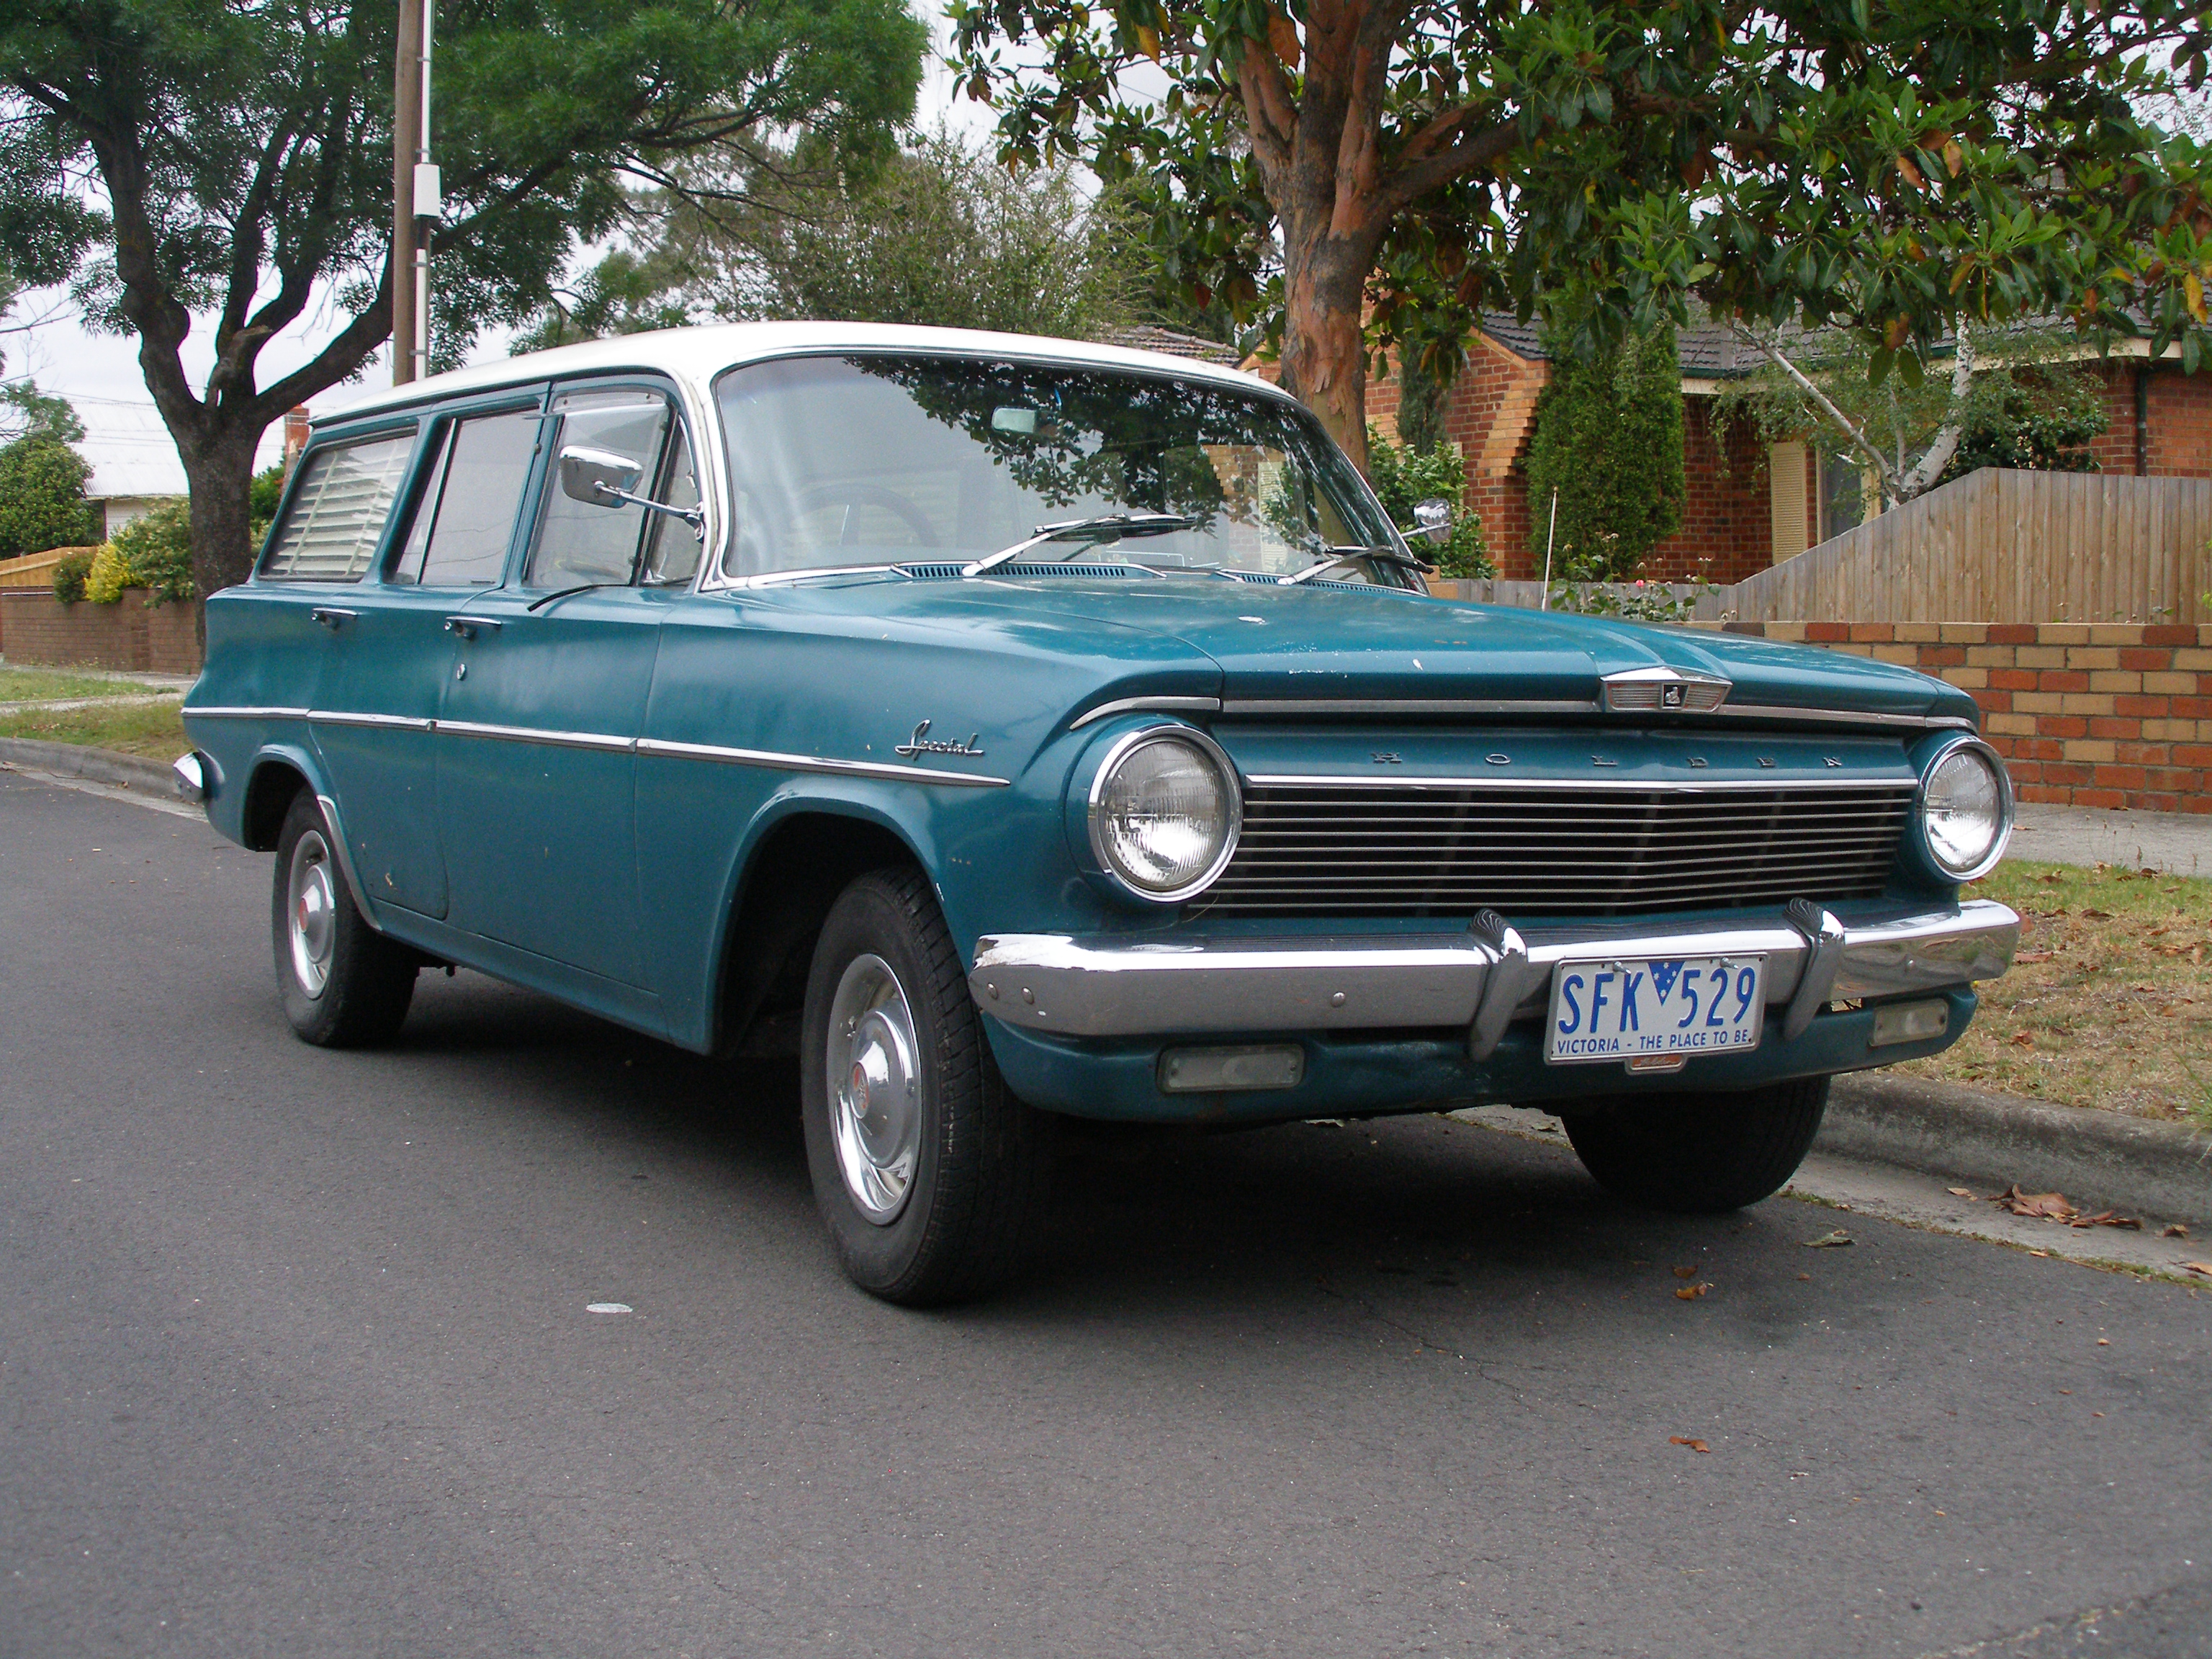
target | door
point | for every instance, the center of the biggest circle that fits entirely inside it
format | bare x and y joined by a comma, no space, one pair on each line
545,698
388,659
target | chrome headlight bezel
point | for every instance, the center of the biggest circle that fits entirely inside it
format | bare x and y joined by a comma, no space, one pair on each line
1925,844
1210,754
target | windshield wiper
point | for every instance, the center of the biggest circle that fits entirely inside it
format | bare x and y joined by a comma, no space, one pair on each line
1336,556
1107,527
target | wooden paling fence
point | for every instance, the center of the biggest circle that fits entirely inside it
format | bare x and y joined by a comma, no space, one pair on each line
1995,546
2000,546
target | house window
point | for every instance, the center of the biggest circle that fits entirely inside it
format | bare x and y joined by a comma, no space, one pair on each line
1843,494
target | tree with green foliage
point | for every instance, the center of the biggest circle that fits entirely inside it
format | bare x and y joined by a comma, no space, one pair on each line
936,234
232,158
1354,172
2021,397
42,504
1608,440
1406,476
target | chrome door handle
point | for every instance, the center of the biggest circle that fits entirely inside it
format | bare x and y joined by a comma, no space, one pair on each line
469,627
330,618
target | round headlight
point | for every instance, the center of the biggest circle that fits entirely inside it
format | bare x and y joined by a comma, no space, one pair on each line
1966,810
1165,813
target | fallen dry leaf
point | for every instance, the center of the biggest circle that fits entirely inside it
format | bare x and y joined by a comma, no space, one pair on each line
2106,1218
2098,916
2048,1206
1829,1241
2177,1231
1685,1272
1959,1192
1805,1278
1685,1440
1692,1293
2022,1040
2104,1342
2051,878
2204,1267
2033,955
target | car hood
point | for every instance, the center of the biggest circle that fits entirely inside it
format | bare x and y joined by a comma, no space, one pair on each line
1267,642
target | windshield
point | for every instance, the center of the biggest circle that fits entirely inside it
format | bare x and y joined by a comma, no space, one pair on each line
864,460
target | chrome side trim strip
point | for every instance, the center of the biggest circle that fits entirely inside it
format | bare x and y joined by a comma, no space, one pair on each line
1840,717
1235,706
1106,987
595,740
394,722
1146,705
842,769
1492,780
243,712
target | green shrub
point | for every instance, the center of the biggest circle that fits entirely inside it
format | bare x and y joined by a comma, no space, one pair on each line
70,572
1608,437
158,549
109,575
1404,478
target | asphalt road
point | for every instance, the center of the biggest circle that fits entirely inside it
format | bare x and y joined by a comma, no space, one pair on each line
295,1360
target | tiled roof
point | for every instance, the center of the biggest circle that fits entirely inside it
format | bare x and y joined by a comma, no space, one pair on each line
1145,337
1707,351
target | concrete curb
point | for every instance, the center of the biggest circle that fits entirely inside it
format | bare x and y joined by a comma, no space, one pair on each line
2100,1160
76,760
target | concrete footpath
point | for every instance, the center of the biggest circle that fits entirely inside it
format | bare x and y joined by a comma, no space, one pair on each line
2178,844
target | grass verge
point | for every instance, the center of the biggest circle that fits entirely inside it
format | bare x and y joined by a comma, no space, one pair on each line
51,685
154,730
2109,1003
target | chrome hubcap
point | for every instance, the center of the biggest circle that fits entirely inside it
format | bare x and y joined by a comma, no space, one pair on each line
876,1108
311,912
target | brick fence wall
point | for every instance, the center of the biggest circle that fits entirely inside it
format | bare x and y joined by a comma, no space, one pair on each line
2085,714
37,628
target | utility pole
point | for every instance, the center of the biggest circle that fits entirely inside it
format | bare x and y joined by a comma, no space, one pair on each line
415,192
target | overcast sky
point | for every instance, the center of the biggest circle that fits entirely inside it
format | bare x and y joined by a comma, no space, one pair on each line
130,451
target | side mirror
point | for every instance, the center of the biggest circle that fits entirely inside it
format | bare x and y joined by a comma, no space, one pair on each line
1431,519
598,476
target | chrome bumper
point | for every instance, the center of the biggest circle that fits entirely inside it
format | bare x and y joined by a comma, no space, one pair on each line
1088,988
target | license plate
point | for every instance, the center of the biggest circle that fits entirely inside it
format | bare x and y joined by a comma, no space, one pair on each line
1622,1009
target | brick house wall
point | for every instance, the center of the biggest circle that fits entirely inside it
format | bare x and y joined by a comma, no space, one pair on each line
2113,714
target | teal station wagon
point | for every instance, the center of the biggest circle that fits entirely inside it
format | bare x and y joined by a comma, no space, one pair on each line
1017,729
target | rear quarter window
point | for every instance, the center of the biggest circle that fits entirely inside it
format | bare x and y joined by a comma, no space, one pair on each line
336,516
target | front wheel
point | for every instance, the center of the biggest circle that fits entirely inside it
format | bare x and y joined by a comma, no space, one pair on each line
932,1178
345,986
1700,1155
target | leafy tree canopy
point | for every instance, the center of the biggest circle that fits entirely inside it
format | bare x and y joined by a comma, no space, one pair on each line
27,412
1608,440
2018,396
935,234
234,157
1352,173
42,503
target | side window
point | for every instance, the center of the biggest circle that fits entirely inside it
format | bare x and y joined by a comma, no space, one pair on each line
582,541
466,517
336,514
672,547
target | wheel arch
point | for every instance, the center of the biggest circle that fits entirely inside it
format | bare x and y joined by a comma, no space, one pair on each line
792,870
277,774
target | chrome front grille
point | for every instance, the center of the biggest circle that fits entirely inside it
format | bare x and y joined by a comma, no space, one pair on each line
1318,849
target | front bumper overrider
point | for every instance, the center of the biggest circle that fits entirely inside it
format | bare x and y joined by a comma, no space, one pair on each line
1481,980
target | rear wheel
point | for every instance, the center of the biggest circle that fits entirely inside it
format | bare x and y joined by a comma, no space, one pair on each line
345,986
932,1178
1700,1154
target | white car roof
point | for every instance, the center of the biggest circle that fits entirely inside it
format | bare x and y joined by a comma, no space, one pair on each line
697,355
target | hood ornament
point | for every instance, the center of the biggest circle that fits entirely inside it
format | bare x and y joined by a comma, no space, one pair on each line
922,744
1660,690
